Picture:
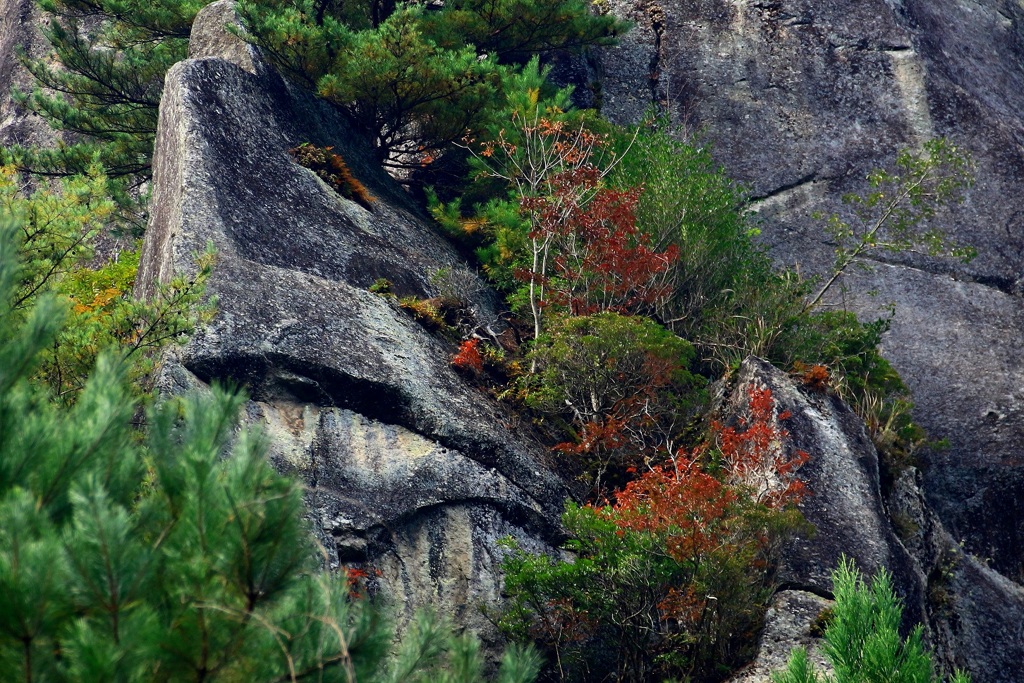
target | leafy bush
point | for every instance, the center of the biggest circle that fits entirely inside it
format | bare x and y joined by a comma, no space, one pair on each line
621,383
894,215
468,357
862,639
673,578
556,235
689,204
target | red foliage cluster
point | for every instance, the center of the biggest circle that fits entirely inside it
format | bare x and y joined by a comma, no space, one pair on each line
356,579
468,357
600,259
756,457
596,436
679,499
816,377
695,512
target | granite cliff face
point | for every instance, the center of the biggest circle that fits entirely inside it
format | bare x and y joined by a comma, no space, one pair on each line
414,472
409,470
19,28
800,99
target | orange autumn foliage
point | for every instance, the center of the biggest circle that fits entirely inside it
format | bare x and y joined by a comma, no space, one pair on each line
469,357
333,170
673,576
756,457
814,377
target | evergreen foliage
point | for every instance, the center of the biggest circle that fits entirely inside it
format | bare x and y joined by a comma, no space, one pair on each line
862,640
183,558
104,89
689,202
418,78
56,237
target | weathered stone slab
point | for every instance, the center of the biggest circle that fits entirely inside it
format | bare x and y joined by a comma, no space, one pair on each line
971,613
409,470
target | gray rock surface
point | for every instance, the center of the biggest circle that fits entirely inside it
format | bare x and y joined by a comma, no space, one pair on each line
801,98
409,469
972,614
845,499
19,28
789,623
975,613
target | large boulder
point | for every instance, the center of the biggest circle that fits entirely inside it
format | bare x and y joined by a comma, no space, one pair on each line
844,502
410,470
971,613
800,99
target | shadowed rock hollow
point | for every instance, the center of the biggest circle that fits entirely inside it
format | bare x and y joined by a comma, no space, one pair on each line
409,470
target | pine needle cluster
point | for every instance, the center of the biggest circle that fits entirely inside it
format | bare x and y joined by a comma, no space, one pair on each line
182,556
102,87
862,641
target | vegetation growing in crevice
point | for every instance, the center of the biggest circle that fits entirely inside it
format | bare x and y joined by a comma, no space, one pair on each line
629,255
333,170
672,579
638,222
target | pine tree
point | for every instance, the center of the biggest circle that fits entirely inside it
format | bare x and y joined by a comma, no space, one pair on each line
183,558
418,78
104,89
862,640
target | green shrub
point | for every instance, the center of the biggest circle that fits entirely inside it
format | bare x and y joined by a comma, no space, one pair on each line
58,229
862,639
688,201
621,383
